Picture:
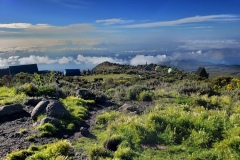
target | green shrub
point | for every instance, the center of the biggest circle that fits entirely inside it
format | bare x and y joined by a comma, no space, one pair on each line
106,117
99,152
199,139
189,87
124,153
70,126
19,155
133,91
47,129
23,131
146,96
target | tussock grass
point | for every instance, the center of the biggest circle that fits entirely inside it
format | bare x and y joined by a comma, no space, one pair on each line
55,150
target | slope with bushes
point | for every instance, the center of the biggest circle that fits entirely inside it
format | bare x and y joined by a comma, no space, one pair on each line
174,115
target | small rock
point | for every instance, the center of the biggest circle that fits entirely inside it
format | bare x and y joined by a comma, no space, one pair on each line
128,108
84,131
51,120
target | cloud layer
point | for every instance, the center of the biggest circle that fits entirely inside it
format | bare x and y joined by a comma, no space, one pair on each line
196,19
113,21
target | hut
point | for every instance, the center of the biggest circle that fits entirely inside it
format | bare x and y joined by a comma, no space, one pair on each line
158,68
202,72
29,68
148,68
72,72
170,70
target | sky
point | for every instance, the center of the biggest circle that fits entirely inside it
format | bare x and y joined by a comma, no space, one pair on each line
63,34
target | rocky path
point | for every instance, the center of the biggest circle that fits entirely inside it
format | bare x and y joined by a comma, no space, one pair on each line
16,134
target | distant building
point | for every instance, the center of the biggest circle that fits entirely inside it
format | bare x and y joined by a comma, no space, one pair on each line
72,72
29,68
3,72
202,72
148,68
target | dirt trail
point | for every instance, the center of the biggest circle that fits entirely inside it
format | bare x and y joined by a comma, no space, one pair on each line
14,133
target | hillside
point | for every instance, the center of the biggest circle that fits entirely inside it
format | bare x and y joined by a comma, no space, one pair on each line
120,112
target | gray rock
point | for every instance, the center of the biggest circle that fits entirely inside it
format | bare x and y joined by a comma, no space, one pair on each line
51,120
12,109
39,109
84,131
128,108
33,101
50,107
56,109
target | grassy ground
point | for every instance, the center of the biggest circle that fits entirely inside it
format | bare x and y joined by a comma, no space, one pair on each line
114,76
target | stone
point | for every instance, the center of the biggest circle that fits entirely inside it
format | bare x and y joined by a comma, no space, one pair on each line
56,109
51,120
128,108
84,131
49,107
12,109
39,109
33,101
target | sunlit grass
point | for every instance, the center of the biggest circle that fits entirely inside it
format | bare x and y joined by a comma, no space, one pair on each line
10,96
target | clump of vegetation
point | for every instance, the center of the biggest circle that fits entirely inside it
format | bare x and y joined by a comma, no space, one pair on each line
50,151
133,91
47,129
193,118
10,96
78,110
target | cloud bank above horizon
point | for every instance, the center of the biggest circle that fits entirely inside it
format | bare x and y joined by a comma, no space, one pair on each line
70,32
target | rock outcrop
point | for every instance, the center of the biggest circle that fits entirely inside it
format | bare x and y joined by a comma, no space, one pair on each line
50,107
12,109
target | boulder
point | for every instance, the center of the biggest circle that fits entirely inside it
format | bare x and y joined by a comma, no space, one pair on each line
12,109
33,101
39,109
128,108
51,120
84,131
50,107
56,109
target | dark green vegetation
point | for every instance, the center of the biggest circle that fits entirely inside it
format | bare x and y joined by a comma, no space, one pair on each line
191,118
57,151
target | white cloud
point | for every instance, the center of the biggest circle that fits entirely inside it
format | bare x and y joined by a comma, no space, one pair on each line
27,28
16,25
113,21
36,59
142,59
209,44
203,27
96,60
196,19
65,60
29,45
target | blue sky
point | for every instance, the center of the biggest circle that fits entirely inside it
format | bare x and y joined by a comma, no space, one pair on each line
83,33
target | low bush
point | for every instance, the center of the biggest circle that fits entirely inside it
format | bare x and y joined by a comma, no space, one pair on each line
47,129
145,96
189,87
49,151
106,117
97,153
124,153
133,91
